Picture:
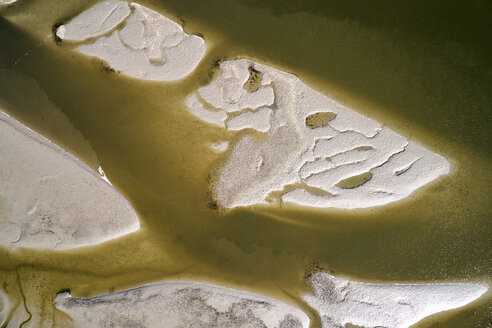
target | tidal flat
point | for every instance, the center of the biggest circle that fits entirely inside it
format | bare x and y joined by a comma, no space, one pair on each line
423,70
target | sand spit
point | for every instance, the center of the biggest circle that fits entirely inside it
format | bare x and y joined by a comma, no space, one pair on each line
314,151
51,200
135,41
340,301
220,146
7,2
181,304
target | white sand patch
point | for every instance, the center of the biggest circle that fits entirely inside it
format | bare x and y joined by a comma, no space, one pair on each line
227,91
94,22
311,140
341,301
215,117
219,146
51,200
181,304
258,120
5,308
7,2
147,46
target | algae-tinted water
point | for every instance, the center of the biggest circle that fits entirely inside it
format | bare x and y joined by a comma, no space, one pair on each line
422,70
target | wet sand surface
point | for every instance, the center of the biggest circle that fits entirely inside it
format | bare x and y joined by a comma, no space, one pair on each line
418,70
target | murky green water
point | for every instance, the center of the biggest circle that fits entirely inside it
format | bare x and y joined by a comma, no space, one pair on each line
423,70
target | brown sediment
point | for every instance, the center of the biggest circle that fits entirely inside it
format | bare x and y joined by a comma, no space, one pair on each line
254,80
320,119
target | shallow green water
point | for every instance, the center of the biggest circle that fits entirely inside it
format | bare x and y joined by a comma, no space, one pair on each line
423,70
